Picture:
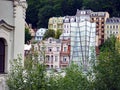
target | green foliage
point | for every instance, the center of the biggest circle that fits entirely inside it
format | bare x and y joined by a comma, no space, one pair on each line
15,79
104,5
73,80
49,33
39,11
104,76
57,34
33,77
27,35
107,68
109,44
30,77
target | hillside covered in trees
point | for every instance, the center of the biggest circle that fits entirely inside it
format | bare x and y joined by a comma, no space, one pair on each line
39,11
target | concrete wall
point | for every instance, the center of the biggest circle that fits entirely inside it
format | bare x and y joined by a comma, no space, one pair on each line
6,11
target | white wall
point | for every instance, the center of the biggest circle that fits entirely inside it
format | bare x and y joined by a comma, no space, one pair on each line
6,11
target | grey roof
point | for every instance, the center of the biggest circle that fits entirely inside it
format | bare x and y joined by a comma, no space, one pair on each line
113,20
83,12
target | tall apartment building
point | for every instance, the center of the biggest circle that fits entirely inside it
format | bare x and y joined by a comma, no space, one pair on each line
65,53
99,18
83,15
83,42
66,27
112,27
55,23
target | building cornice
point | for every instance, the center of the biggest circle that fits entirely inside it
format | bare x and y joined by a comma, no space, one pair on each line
6,25
22,3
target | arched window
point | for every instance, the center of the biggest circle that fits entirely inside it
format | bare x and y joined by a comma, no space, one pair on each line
2,55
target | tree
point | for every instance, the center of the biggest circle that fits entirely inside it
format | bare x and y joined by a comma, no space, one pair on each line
49,33
107,69
28,36
39,11
74,79
57,34
30,77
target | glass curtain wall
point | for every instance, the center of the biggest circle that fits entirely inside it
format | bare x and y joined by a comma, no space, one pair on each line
82,42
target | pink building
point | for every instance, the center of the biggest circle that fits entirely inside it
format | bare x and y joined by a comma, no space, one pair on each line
65,53
55,51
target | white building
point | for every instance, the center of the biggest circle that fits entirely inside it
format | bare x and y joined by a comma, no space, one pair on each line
52,49
82,43
12,26
40,33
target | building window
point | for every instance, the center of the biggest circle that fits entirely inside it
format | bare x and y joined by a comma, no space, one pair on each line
54,26
58,49
49,49
110,27
52,58
50,41
56,58
2,55
110,32
116,26
64,26
65,49
64,59
92,19
113,27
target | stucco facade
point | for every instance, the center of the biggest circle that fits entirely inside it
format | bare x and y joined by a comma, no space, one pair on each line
12,25
55,23
52,52
40,33
112,27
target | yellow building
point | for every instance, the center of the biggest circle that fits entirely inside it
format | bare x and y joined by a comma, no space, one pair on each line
55,23
112,27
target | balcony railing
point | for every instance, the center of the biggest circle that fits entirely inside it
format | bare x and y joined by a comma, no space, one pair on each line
48,62
64,62
48,52
65,53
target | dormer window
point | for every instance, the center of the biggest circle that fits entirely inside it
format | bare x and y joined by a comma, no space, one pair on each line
50,40
67,20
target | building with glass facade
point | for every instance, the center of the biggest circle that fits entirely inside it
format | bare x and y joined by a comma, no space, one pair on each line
83,41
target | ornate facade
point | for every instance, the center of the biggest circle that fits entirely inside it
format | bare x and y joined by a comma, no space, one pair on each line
12,25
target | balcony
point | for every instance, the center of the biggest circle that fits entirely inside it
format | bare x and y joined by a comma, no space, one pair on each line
64,63
65,53
48,62
48,52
